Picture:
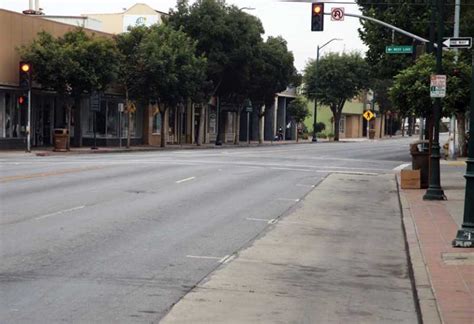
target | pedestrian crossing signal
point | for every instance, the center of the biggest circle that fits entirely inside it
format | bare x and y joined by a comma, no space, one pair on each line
317,17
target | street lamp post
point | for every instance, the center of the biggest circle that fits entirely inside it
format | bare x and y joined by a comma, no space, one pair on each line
465,236
435,192
315,99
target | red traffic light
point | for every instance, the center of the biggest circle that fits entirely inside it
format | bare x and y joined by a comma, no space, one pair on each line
22,100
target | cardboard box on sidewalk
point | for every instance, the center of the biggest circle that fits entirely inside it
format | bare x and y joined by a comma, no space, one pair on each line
410,179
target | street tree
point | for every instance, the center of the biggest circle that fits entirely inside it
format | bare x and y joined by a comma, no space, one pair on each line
410,92
335,79
228,38
298,110
170,71
73,65
272,72
128,45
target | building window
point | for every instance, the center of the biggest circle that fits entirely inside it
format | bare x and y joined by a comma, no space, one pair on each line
342,124
157,124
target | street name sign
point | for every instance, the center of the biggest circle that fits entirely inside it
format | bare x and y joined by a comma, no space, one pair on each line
458,42
337,14
368,115
438,86
399,49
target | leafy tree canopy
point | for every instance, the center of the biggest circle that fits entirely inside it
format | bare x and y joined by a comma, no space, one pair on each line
334,80
226,36
298,109
410,92
170,71
272,71
72,64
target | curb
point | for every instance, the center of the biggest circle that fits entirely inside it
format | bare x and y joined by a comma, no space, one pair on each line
425,298
161,149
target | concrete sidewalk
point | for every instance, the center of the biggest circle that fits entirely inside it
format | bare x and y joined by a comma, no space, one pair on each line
444,276
338,257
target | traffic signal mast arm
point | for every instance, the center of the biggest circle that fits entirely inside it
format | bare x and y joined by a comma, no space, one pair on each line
401,31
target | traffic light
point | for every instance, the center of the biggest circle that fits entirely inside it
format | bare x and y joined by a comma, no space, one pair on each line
22,101
317,17
25,75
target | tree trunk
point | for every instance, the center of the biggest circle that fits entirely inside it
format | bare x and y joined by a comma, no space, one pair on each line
163,127
337,118
69,112
381,131
237,128
200,132
461,117
403,126
260,126
77,122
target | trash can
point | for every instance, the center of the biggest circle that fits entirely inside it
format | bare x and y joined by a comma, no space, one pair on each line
371,133
421,161
60,139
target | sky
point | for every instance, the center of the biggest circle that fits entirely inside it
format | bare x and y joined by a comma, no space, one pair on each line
292,20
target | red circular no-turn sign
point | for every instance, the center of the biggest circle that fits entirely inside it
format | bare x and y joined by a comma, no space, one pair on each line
337,14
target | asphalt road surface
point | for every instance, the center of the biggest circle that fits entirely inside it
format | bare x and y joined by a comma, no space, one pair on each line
120,238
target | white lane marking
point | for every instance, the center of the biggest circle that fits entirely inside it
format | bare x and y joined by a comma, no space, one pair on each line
59,212
305,185
401,167
204,257
292,169
185,180
348,172
269,221
289,199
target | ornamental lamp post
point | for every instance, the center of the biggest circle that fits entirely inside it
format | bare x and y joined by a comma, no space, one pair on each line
465,236
316,81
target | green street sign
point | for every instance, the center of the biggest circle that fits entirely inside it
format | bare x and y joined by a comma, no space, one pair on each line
399,49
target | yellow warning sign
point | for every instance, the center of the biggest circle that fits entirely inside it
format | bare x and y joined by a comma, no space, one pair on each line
369,115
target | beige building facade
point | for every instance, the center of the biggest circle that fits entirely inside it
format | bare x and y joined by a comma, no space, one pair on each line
138,14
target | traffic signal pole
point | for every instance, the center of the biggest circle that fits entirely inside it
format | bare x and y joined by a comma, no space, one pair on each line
28,123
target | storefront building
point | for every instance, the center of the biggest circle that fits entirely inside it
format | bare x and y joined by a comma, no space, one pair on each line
48,110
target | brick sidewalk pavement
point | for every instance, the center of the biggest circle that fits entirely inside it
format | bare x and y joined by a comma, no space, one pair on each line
449,272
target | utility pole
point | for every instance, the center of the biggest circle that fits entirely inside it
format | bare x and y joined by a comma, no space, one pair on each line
435,192
452,135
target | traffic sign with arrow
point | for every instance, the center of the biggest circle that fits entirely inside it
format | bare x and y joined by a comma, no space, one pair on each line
458,42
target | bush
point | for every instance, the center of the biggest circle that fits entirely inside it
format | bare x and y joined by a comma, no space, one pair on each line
330,135
320,127
321,135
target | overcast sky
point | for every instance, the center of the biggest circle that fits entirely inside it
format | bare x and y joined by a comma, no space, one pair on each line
290,20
